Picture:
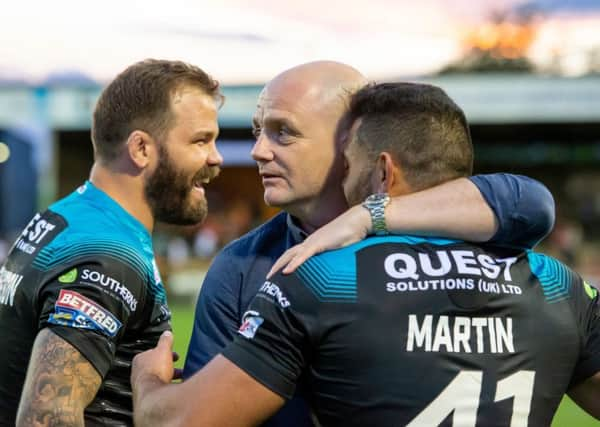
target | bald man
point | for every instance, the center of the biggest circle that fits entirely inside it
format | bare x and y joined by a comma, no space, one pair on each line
300,161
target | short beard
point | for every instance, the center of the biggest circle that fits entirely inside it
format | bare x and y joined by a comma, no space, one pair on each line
168,192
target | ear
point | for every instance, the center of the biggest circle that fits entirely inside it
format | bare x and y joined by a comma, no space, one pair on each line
385,173
140,148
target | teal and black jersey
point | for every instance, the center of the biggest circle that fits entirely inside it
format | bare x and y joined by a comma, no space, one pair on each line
397,331
84,269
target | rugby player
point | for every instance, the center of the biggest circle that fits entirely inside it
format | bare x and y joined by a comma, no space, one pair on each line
80,293
297,123
398,330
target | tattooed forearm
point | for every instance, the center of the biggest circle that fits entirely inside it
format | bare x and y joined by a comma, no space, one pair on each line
60,383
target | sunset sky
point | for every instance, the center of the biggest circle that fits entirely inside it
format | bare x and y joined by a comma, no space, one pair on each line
242,41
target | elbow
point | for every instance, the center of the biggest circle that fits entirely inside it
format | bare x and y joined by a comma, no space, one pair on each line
535,208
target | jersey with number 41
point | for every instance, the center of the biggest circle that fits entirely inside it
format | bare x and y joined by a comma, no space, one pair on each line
397,331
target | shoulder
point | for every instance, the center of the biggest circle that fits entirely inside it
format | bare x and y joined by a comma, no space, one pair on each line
341,259
89,219
545,266
556,279
331,275
91,234
348,252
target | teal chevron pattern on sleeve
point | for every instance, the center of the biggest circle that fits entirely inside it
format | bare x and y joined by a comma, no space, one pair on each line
331,276
554,277
52,256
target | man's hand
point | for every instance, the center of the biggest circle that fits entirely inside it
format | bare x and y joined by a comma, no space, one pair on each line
151,374
214,390
348,228
157,362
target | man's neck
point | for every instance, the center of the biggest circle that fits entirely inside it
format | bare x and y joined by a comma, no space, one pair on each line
314,216
125,189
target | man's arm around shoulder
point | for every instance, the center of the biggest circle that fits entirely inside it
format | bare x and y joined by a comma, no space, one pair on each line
219,395
59,385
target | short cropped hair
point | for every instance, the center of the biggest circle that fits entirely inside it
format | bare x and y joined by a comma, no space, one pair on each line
139,98
419,125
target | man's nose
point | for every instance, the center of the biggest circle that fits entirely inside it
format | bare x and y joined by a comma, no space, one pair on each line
262,152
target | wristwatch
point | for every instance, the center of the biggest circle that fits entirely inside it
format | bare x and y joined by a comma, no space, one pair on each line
376,204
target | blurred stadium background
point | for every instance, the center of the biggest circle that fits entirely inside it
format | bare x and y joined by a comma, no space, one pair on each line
526,73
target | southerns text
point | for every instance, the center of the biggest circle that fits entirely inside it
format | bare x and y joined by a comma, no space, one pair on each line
112,284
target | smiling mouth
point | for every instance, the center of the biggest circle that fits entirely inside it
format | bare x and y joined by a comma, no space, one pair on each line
199,184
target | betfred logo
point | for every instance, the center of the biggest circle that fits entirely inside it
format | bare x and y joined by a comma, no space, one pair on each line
74,310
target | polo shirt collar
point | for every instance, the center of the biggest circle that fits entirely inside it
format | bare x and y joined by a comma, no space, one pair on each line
298,234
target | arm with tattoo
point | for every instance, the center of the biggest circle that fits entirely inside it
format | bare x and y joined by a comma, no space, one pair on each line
60,383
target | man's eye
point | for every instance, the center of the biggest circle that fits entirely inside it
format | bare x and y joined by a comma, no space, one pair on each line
256,131
286,131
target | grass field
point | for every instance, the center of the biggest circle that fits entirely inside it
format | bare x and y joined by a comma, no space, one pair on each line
568,415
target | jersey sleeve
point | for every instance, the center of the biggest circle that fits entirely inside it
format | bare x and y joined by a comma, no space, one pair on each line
587,308
90,304
216,318
273,344
523,206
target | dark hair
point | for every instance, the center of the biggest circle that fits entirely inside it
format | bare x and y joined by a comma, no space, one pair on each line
139,98
419,125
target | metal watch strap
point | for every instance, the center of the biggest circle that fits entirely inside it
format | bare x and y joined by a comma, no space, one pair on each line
378,219
376,204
